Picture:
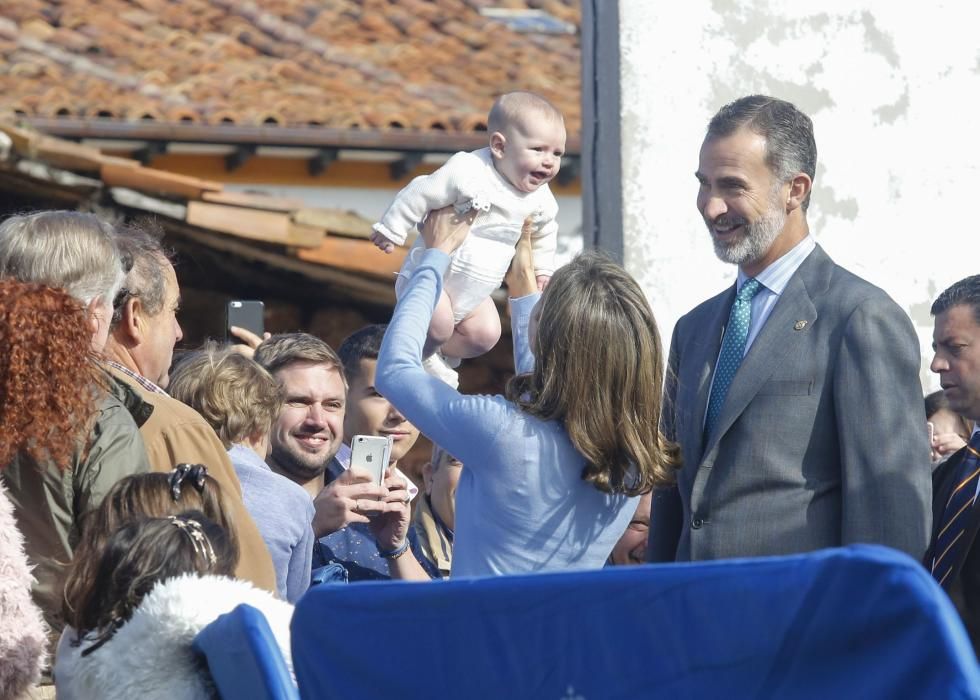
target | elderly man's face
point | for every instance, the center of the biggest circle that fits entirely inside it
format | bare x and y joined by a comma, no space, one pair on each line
956,342
741,202
161,333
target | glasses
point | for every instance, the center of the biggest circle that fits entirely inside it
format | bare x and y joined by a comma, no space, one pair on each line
195,474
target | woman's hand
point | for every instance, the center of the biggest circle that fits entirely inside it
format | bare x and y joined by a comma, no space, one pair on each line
446,230
520,277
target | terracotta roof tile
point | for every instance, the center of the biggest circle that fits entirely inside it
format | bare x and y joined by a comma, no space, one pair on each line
416,63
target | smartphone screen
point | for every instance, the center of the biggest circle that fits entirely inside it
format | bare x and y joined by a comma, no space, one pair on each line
249,315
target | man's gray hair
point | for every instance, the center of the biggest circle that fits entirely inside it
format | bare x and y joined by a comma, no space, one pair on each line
148,261
284,349
790,145
71,250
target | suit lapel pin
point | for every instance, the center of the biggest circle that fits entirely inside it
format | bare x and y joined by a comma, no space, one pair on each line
799,325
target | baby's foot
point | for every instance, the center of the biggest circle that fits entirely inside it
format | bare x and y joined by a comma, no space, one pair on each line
437,366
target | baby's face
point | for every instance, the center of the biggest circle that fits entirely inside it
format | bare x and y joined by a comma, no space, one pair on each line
531,153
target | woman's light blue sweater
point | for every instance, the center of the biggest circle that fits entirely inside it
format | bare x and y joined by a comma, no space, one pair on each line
521,504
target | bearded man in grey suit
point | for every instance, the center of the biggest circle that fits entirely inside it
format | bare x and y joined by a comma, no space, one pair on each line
794,395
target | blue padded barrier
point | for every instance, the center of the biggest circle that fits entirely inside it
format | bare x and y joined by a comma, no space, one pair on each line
857,622
244,658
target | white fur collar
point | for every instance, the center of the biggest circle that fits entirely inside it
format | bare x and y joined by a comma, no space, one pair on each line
150,657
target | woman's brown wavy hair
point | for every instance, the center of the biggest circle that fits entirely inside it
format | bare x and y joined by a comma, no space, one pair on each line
599,369
49,385
131,498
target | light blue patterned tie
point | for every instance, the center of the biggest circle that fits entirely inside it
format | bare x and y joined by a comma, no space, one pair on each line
732,350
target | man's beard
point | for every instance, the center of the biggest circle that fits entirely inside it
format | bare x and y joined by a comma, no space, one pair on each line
298,467
756,238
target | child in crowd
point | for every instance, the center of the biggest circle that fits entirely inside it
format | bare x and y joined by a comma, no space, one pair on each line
157,583
240,401
152,495
504,184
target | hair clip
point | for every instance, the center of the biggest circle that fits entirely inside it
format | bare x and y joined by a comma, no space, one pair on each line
193,529
196,473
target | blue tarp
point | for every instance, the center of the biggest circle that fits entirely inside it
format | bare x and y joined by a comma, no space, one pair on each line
862,622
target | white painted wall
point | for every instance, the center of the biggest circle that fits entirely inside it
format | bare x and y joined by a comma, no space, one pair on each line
893,89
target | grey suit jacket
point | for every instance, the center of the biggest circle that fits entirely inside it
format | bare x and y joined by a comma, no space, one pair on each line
821,441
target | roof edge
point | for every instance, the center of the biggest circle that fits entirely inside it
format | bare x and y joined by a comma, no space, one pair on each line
297,136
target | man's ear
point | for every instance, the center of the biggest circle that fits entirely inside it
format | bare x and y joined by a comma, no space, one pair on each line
799,189
427,478
92,315
497,144
131,324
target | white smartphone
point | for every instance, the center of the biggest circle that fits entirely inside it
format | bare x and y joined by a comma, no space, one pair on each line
370,453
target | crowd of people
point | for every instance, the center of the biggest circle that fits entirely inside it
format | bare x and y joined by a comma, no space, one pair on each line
142,497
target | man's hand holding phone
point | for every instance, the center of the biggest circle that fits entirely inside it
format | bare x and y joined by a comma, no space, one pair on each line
350,498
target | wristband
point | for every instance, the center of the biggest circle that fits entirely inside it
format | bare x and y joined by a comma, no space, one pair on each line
394,553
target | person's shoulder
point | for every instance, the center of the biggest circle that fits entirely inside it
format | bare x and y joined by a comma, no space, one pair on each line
285,495
169,413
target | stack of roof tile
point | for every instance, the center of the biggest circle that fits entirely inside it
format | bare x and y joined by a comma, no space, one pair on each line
380,64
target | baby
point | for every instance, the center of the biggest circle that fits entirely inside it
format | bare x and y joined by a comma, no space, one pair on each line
507,183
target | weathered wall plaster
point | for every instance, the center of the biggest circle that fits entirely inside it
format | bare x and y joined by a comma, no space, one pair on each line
893,90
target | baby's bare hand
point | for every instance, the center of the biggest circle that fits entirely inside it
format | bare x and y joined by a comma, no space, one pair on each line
382,242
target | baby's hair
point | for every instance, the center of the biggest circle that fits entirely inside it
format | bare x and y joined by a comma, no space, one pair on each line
143,553
514,107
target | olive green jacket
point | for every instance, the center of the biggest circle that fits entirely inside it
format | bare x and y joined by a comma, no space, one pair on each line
49,501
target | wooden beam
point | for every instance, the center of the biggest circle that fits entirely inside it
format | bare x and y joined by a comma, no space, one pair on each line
253,224
356,256
254,200
240,156
318,164
155,181
137,200
150,151
376,291
66,178
335,222
405,165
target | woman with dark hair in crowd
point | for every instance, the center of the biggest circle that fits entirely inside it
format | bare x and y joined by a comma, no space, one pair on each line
553,470
157,583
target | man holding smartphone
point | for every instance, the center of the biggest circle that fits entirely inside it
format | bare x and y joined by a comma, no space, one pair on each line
309,431
367,414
